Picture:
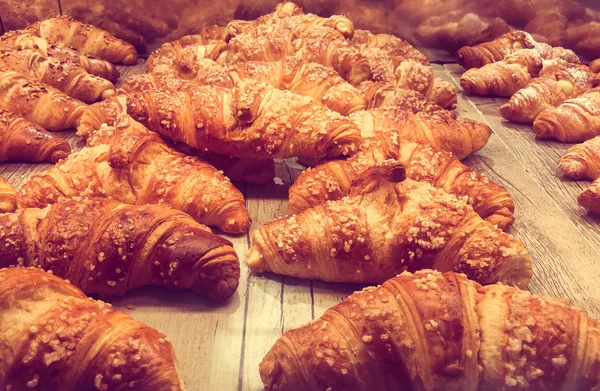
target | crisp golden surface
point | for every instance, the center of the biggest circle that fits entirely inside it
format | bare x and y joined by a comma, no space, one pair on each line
8,197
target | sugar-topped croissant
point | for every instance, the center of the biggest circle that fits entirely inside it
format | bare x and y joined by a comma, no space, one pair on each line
252,120
66,76
87,39
17,40
574,120
503,78
332,180
434,331
488,52
134,166
558,82
582,161
8,197
590,197
390,44
24,141
383,228
382,94
105,247
57,339
39,103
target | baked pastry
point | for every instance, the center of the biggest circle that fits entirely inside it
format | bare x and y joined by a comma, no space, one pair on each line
8,197
574,120
134,166
41,104
87,39
383,228
435,331
65,76
595,66
23,141
590,197
17,40
108,248
391,44
503,78
332,180
582,161
558,82
382,95
488,52
60,339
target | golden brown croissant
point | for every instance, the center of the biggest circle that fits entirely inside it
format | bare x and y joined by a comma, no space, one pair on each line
384,228
434,331
390,44
282,10
108,248
14,40
253,120
44,105
65,76
87,39
460,137
8,197
558,82
134,166
21,140
59,339
574,120
582,161
595,66
505,77
332,180
488,52
590,197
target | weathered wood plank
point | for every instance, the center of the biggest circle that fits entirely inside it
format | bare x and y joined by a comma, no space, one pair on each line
564,262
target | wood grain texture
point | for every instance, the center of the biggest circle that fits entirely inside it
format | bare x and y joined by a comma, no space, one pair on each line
220,347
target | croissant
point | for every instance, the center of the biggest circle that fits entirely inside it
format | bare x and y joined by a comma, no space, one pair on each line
253,120
383,228
17,40
8,197
595,66
44,105
582,161
557,83
66,76
389,44
590,197
488,52
87,39
108,248
503,78
438,331
134,166
61,340
332,180
460,137
21,140
575,120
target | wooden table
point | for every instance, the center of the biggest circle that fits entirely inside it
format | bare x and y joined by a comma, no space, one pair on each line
220,347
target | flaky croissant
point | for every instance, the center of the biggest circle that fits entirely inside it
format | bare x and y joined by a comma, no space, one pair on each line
253,120
8,197
333,180
488,52
460,137
574,120
558,82
17,40
434,331
582,161
383,228
382,94
41,104
390,44
87,39
503,78
595,66
107,248
590,197
135,166
24,141
65,76
60,340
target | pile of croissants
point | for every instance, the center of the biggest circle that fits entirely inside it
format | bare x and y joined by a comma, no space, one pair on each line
387,201
548,88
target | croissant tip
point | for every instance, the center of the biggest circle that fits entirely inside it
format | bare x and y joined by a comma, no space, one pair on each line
130,59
